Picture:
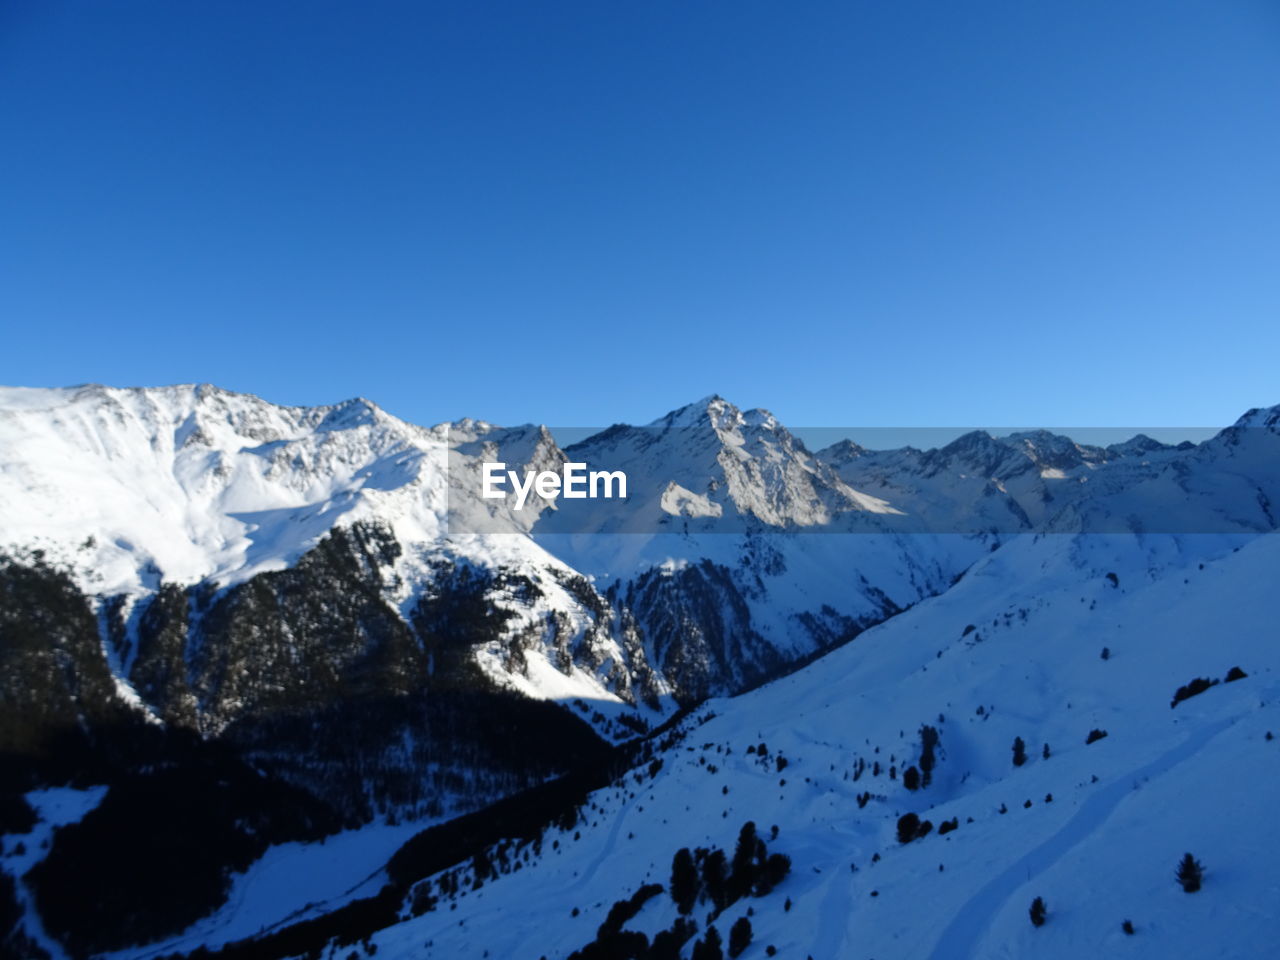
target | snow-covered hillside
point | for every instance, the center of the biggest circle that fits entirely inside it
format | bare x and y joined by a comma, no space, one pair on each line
1046,640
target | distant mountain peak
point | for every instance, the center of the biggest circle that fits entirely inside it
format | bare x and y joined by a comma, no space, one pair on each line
841,452
1136,446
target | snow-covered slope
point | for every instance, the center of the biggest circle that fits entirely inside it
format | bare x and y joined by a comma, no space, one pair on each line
1015,650
189,483
183,484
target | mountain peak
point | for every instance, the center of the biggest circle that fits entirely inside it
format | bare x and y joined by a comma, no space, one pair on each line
1266,417
1136,446
713,409
841,452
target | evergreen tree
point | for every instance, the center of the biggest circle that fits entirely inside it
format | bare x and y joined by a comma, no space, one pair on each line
715,879
775,870
911,778
684,880
709,947
1019,752
1190,873
908,824
743,874
481,867
667,944
1045,752
928,742
739,936
1037,912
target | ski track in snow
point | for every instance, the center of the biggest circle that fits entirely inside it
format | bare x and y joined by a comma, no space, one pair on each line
606,849
974,918
832,937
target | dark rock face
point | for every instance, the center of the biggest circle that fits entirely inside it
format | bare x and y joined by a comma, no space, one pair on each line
305,638
700,629
297,639
54,677
159,672
457,613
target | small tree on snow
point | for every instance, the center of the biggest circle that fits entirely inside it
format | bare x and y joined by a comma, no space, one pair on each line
928,743
739,936
1019,752
908,824
1037,912
1190,873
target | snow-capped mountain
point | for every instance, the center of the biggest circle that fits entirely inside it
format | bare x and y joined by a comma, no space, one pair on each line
711,467
1040,481
295,621
196,487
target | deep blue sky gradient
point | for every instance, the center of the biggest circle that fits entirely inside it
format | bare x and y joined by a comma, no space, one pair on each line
579,213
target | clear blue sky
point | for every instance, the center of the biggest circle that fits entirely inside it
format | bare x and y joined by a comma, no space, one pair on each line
576,213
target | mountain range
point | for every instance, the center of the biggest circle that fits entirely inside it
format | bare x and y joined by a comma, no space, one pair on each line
304,633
